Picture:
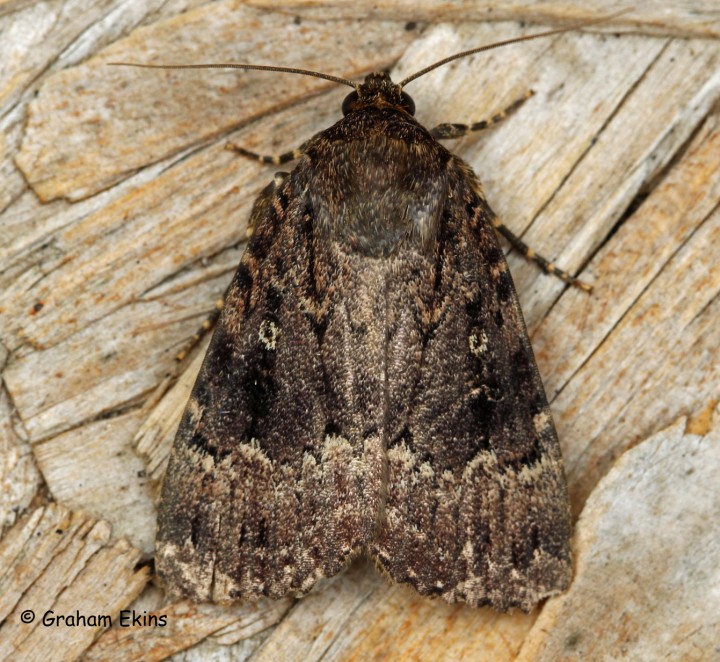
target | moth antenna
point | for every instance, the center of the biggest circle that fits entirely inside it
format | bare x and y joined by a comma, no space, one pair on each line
254,67
507,42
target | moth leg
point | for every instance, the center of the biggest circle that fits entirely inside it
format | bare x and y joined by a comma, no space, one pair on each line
259,211
530,254
275,159
460,130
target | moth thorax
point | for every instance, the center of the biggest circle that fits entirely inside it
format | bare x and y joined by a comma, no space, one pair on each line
384,193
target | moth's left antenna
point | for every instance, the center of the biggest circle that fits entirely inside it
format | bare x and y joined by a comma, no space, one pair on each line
254,67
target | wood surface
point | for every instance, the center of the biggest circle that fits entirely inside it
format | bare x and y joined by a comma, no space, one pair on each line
123,216
646,585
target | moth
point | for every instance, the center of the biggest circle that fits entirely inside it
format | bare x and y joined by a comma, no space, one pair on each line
370,387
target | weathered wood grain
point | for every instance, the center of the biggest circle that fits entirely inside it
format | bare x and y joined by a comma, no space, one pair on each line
647,351
38,38
19,477
52,563
122,218
153,114
645,132
665,17
362,617
69,463
646,585
187,624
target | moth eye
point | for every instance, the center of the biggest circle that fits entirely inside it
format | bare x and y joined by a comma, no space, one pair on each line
407,103
349,102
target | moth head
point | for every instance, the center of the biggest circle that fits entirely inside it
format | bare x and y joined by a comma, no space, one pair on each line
378,91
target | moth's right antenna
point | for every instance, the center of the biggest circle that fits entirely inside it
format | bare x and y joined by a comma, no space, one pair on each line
516,40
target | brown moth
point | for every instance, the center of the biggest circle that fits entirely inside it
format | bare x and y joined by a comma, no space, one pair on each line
370,386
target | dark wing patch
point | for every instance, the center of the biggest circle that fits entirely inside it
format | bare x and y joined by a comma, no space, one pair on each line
274,477
476,508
